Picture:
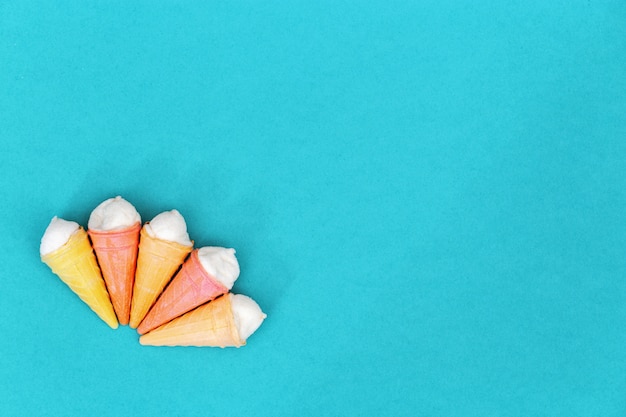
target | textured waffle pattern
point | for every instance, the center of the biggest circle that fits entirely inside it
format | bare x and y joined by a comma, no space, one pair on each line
157,261
117,256
212,324
191,287
75,263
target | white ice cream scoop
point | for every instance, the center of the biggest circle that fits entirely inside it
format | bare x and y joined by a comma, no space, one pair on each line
112,214
247,313
56,235
220,263
170,226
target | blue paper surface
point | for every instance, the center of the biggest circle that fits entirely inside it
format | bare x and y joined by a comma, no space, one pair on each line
428,199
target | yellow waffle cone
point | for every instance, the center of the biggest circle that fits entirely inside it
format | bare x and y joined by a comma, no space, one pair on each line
76,265
212,324
158,260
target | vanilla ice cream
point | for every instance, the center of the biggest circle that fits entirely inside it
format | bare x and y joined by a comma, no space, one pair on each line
56,235
220,263
247,313
112,214
169,225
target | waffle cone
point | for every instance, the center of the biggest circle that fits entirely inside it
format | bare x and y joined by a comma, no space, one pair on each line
76,265
191,287
157,261
212,324
116,251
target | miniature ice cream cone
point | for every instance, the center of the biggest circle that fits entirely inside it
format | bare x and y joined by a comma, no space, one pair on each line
114,231
71,257
206,274
226,321
163,247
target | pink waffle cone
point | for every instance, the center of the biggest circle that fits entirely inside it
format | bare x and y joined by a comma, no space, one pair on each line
212,324
116,251
191,287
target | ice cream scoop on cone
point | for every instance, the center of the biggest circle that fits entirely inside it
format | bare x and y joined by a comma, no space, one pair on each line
114,231
206,274
65,248
226,321
163,246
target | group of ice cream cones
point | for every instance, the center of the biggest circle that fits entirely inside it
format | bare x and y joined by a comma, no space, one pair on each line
151,277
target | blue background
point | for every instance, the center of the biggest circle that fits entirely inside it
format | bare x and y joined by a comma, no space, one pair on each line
427,198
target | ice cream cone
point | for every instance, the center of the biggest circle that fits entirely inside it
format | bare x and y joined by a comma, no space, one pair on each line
212,324
191,287
157,261
76,265
116,251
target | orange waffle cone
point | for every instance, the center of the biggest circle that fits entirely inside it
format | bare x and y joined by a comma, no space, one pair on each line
191,287
117,255
212,324
156,263
76,265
